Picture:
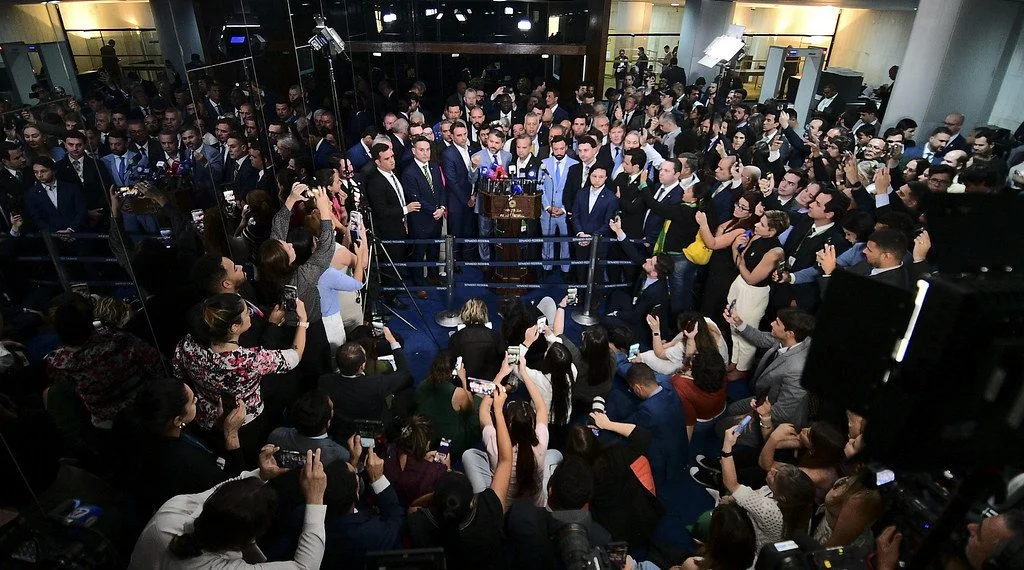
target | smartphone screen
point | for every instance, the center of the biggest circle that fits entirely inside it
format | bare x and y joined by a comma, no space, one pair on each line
481,387
571,294
634,350
290,459
542,325
512,354
743,424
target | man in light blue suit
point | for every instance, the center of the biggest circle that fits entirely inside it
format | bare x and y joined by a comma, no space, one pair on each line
553,220
121,163
207,167
488,157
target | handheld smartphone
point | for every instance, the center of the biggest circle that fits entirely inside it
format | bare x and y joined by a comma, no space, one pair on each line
229,196
228,402
634,350
732,306
80,288
290,459
746,234
570,293
884,477
197,218
655,310
481,387
542,325
354,219
368,431
378,327
458,367
743,424
512,354
288,297
617,553
125,191
443,449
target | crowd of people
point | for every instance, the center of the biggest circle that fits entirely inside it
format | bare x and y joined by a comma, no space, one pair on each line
255,413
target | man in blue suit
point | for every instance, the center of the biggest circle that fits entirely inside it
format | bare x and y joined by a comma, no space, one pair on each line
359,153
207,167
456,165
121,164
595,205
932,151
423,183
53,205
322,148
553,220
558,113
660,412
486,159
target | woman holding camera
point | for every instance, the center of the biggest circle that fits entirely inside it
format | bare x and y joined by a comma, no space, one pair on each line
222,372
451,408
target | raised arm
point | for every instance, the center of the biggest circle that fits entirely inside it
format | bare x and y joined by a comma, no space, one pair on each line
559,325
763,270
503,470
535,395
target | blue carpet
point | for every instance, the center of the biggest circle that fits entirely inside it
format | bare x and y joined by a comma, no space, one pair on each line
683,498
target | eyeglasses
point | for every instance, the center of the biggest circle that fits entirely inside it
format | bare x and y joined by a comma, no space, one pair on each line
742,208
939,182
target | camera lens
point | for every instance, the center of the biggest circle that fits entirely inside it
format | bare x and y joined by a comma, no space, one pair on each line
597,405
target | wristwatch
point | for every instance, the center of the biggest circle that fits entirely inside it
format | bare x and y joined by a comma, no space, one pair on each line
726,454
304,325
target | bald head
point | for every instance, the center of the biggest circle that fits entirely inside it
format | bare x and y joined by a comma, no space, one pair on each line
955,158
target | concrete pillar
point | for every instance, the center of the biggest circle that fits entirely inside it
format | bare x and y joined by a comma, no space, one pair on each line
177,31
18,68
957,55
703,21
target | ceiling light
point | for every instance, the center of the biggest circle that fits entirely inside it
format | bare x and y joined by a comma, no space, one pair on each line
377,54
455,55
460,17
524,25
468,11
675,4
544,56
430,12
389,17
509,11
439,15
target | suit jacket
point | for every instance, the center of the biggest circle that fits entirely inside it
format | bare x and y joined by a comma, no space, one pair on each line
662,414
69,213
532,165
648,298
559,114
595,221
916,152
322,153
486,159
388,213
635,121
831,112
554,185
350,536
631,205
659,209
12,190
206,176
111,160
778,376
574,181
358,156
244,177
457,179
362,397
801,253
422,223
213,112
96,182
605,156
152,148
956,142
897,277
723,200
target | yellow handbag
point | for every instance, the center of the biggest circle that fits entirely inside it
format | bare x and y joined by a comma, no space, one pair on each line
698,253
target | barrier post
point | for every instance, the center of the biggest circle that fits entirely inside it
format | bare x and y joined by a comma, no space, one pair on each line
585,317
58,265
448,317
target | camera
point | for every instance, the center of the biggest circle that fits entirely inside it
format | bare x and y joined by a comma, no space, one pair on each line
576,553
290,459
289,295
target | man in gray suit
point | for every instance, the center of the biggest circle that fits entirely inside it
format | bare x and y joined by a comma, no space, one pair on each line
777,376
311,415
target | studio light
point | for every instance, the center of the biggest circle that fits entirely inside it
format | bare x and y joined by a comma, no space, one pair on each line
430,12
460,16
524,25
509,11
326,37
389,17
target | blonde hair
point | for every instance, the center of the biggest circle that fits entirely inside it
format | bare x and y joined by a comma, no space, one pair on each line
474,312
112,312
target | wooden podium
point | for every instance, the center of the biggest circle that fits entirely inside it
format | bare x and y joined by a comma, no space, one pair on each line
510,213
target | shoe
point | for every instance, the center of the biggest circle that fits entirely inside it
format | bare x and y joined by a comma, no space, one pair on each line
706,478
712,464
422,295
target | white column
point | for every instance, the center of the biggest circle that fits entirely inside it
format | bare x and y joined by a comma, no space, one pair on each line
703,21
177,30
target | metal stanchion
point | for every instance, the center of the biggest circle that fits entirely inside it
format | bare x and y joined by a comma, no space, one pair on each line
448,317
58,266
584,316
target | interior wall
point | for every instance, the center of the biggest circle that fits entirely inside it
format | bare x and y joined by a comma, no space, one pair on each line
1007,111
871,41
93,15
798,20
27,23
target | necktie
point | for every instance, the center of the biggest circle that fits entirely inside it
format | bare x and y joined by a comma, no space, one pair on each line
398,189
426,174
586,173
17,174
533,149
77,163
494,159
617,151
558,170
145,111
120,168
769,359
660,194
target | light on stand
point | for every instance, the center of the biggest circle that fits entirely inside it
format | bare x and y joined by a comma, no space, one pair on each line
524,25
389,17
326,37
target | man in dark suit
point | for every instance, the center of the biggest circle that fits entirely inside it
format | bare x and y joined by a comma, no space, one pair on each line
595,205
558,114
322,148
578,175
352,527
523,162
85,172
239,172
423,184
725,190
803,243
632,114
661,412
830,106
933,150
16,178
53,205
884,255
631,211
456,165
649,295
661,200
140,142
358,396
388,209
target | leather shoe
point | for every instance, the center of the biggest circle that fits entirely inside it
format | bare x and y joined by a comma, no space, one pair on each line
422,294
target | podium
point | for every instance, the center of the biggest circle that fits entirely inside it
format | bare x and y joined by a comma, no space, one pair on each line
511,212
